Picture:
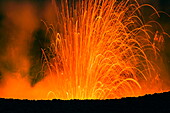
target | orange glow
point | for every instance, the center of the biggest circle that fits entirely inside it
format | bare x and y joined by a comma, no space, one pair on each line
103,49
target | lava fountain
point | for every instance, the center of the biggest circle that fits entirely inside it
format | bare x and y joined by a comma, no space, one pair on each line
99,49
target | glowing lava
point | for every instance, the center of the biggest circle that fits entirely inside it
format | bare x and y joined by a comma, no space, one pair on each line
102,49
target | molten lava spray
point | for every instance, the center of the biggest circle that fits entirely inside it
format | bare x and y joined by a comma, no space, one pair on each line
99,49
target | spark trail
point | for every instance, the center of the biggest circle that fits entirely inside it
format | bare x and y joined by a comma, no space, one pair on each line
104,49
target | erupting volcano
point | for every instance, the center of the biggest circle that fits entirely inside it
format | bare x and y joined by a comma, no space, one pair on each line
93,49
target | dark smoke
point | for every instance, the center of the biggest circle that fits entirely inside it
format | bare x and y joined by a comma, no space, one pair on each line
22,38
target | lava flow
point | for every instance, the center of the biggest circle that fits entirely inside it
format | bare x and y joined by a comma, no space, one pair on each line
99,49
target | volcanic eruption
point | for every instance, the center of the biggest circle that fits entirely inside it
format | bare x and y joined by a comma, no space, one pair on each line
90,49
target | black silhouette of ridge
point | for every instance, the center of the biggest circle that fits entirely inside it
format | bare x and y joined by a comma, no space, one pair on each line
159,102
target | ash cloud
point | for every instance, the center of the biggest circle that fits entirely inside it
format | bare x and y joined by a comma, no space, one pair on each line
22,36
